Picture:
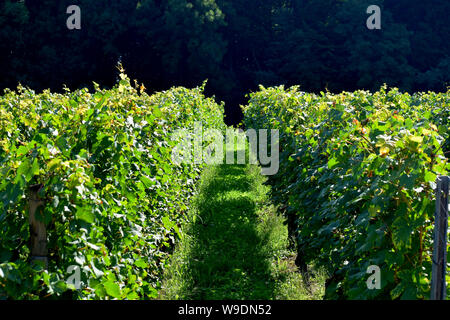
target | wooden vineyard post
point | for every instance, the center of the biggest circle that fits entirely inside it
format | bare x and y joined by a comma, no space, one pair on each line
438,285
38,232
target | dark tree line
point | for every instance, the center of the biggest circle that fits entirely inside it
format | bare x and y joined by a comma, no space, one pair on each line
235,44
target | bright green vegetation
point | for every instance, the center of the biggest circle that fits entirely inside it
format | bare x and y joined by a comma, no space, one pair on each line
355,185
235,245
356,178
113,198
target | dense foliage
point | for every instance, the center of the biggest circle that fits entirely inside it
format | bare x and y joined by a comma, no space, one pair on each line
357,178
113,198
236,44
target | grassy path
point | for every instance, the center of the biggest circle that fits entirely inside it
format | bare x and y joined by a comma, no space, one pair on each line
235,244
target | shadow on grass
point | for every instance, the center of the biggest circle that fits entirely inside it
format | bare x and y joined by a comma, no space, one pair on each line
227,258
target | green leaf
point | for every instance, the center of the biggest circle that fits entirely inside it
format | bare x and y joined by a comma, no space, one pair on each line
132,296
73,103
35,168
401,233
156,112
85,214
373,210
397,291
148,182
430,176
29,170
60,287
408,181
100,290
23,150
416,139
112,289
168,224
332,162
25,170
140,263
52,164
11,195
410,292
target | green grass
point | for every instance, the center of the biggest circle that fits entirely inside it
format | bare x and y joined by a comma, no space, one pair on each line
235,245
